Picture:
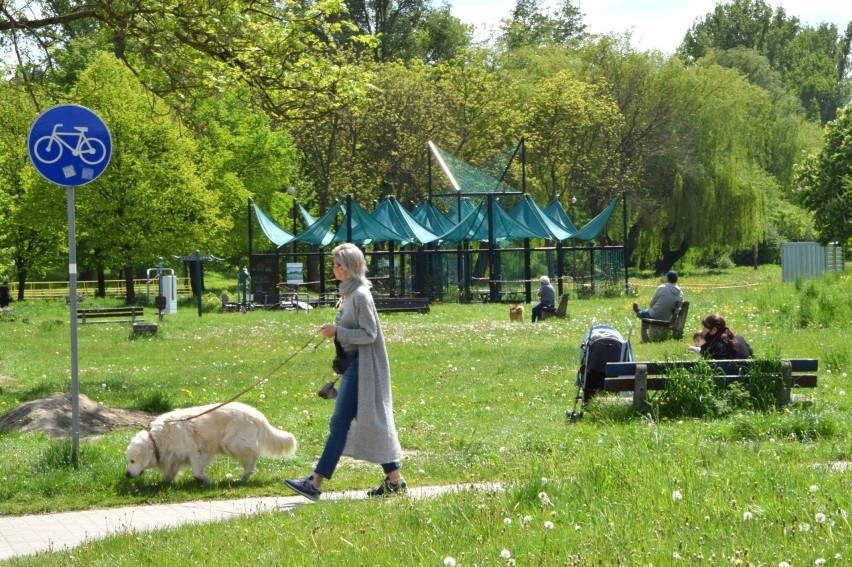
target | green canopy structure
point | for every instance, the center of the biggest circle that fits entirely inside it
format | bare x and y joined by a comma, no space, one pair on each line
431,218
527,213
475,226
393,215
595,226
319,232
476,216
277,235
555,212
359,227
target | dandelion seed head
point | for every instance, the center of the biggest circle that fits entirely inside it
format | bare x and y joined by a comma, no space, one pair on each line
747,516
814,488
677,496
820,517
803,527
507,521
527,519
819,561
505,554
548,525
449,562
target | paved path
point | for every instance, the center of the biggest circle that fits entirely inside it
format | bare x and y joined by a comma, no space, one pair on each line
27,535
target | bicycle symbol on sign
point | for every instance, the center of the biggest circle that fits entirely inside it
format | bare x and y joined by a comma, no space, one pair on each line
48,149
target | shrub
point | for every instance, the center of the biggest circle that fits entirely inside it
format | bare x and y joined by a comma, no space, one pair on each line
697,393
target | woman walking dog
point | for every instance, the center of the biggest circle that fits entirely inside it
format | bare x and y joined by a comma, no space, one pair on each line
365,387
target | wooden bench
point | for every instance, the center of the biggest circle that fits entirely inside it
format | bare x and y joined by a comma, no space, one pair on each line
640,377
406,304
110,314
661,329
558,311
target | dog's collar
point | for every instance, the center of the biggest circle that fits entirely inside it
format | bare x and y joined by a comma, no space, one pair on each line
154,443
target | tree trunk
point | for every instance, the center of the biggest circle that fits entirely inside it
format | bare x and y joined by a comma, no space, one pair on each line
128,282
101,283
669,258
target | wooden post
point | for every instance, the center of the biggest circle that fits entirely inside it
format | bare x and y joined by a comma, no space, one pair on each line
640,389
787,377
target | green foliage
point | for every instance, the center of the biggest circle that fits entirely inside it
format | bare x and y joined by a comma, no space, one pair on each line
688,393
696,393
811,61
155,403
824,183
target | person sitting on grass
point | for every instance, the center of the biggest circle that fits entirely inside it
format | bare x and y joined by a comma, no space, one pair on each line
663,301
720,342
698,340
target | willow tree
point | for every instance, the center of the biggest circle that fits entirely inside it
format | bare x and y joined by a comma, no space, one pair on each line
710,187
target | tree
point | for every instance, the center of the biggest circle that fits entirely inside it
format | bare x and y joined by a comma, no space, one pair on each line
530,26
573,129
814,63
33,212
153,199
246,158
701,149
441,37
825,183
296,59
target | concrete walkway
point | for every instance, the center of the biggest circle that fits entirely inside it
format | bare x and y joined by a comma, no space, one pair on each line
27,535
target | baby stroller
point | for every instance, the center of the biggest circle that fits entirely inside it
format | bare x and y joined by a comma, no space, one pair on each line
601,344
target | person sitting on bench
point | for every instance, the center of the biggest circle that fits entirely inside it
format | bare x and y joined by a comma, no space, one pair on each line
720,342
547,295
663,301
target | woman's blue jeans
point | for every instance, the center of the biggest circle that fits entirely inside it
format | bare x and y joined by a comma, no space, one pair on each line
345,410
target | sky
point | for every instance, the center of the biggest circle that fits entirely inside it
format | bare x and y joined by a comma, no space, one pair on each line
655,24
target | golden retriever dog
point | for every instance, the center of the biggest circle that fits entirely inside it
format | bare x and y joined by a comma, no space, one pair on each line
516,313
195,436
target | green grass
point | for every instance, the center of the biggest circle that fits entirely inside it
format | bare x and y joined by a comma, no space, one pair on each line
477,399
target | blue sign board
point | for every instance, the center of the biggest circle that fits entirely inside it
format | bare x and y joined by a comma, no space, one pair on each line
69,145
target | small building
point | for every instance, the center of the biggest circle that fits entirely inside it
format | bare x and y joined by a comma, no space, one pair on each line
810,260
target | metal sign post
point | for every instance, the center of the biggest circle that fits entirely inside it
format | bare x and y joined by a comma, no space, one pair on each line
70,145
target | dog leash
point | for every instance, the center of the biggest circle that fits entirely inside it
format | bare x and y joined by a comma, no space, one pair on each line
252,386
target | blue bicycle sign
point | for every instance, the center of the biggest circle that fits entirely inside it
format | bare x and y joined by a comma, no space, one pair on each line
69,145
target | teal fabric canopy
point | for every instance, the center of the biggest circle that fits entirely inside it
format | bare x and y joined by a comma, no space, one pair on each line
319,232
556,213
393,215
391,222
431,218
365,229
466,207
277,235
529,214
474,226
595,226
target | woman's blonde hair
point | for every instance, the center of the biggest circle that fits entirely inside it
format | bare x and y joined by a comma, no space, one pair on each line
351,259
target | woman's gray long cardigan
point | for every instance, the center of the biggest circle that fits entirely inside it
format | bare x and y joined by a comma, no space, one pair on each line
372,436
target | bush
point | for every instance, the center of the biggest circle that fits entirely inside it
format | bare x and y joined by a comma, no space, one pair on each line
696,393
